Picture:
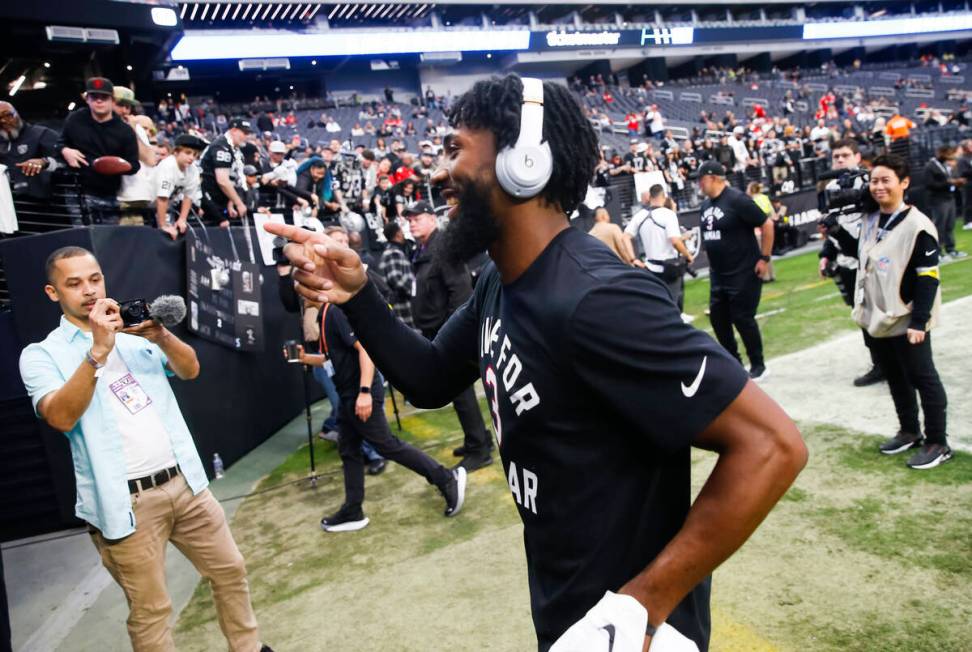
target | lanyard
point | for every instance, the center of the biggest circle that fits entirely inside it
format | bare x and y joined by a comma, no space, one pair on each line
873,221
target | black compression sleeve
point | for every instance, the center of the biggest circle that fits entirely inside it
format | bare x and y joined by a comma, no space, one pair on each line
430,374
926,287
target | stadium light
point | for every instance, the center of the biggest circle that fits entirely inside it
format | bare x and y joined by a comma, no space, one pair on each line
198,47
17,84
164,17
47,64
890,27
128,68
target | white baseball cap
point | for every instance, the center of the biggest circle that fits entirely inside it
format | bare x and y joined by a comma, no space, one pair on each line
277,147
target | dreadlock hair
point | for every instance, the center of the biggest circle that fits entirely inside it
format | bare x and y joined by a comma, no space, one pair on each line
495,104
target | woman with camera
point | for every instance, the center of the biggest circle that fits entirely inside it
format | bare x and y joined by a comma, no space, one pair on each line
896,301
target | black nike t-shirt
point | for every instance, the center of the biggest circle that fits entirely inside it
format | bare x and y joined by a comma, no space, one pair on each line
727,224
596,389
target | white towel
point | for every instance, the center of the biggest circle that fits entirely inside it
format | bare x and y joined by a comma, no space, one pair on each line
8,216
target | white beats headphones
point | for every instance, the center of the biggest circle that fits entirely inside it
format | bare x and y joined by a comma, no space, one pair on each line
525,168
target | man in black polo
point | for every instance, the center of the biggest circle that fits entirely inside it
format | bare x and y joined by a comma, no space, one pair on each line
736,263
440,289
89,134
222,176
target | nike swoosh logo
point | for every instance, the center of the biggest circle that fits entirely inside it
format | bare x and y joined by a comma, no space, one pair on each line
610,631
929,253
690,390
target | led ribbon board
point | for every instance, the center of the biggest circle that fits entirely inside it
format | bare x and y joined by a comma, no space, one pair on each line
249,45
890,27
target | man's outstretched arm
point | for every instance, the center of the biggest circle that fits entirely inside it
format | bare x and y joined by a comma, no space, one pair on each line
430,373
760,454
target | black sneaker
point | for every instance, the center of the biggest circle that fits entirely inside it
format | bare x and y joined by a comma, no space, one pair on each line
759,372
454,491
900,443
473,462
459,451
872,377
347,519
930,456
377,467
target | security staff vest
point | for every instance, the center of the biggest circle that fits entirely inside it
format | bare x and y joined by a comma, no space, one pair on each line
878,307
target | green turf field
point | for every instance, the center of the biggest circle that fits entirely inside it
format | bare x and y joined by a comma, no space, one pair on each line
861,554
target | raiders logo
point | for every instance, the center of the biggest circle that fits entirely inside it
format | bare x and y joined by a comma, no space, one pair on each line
22,149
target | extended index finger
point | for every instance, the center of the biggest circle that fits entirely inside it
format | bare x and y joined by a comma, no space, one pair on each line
293,233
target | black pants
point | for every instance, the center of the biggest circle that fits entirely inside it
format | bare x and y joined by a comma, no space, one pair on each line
942,212
677,289
213,213
735,306
377,433
909,367
476,438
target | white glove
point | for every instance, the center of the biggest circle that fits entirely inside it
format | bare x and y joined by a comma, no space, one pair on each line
617,623
669,639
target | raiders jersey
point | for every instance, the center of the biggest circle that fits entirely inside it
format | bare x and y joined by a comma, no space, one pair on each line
220,154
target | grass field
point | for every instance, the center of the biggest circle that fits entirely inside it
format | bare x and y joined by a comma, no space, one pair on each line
861,554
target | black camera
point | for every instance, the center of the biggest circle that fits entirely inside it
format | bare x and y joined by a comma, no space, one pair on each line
134,312
850,196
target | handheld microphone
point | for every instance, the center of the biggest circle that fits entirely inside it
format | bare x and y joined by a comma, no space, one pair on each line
168,309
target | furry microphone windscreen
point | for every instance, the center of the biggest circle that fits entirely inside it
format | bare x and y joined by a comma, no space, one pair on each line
168,309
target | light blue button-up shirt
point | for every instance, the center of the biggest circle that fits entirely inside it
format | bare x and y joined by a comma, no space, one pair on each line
96,444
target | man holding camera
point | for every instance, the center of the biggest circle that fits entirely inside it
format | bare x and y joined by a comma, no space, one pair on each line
661,240
845,159
140,481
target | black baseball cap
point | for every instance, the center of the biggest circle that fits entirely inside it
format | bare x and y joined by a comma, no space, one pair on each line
241,123
190,141
713,168
99,85
250,171
418,208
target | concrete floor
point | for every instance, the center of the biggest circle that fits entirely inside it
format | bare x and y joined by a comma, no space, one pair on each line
61,597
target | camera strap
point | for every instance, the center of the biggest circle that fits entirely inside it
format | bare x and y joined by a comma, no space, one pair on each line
324,348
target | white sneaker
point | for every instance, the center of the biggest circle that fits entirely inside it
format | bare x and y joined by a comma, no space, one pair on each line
967,226
687,318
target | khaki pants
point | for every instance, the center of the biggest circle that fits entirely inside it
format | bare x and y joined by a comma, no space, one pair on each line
197,526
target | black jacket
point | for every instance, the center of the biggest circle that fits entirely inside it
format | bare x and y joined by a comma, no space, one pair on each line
34,141
97,139
937,184
440,288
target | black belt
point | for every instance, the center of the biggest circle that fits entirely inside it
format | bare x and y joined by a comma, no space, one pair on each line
155,480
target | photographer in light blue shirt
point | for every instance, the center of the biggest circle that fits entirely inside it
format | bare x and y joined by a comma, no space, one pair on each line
140,481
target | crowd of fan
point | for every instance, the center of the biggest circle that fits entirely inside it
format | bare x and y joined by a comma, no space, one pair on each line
261,161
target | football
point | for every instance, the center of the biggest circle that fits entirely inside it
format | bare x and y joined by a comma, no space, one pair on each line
111,165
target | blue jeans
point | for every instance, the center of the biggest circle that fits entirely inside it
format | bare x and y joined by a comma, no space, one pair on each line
331,422
100,210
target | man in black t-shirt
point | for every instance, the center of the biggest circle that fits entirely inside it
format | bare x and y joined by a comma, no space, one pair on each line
89,134
736,263
222,176
596,388
362,418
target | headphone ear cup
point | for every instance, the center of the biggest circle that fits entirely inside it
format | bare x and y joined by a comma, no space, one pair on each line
525,170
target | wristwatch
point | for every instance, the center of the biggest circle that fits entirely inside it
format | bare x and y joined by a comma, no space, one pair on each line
98,366
364,390
765,259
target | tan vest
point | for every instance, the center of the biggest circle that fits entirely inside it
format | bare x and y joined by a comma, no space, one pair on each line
878,307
